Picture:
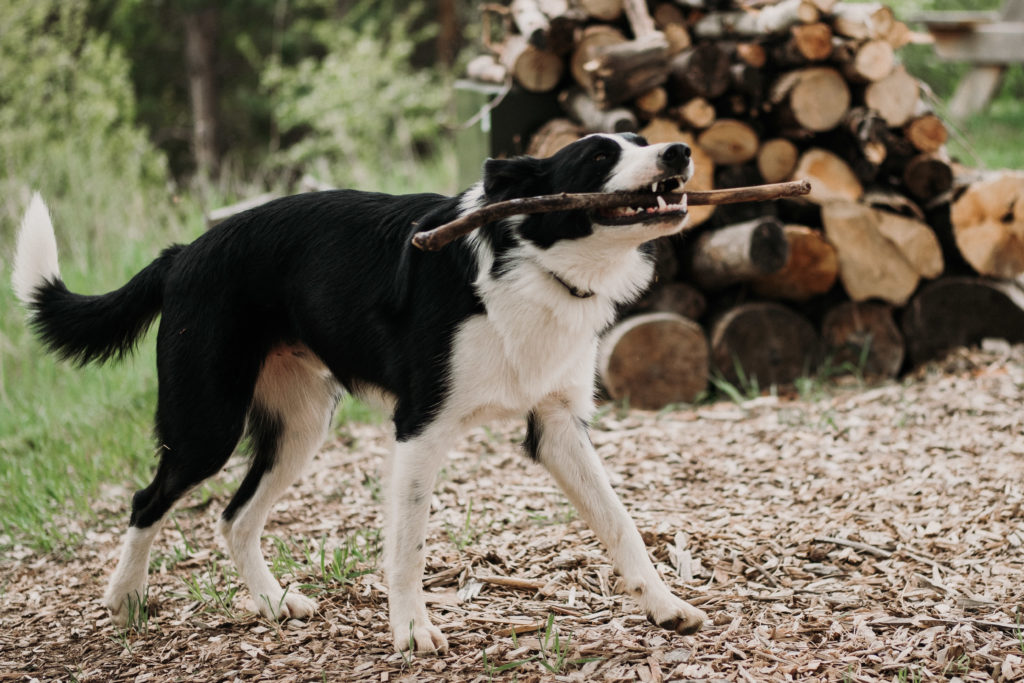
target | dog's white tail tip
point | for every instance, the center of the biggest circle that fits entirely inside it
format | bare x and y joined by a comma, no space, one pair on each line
35,260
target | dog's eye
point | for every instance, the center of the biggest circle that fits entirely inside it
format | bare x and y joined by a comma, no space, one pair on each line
601,156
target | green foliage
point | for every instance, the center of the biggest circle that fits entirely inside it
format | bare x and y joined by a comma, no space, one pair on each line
361,110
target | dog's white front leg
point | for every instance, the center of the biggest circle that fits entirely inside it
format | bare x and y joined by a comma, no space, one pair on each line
414,468
562,444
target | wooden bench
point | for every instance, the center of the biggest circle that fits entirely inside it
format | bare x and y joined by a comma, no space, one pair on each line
990,41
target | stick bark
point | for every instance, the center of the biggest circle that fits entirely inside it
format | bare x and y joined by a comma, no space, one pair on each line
432,240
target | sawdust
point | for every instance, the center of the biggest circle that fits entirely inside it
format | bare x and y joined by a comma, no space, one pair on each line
863,534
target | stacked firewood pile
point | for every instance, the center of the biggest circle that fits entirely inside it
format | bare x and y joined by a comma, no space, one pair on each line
897,254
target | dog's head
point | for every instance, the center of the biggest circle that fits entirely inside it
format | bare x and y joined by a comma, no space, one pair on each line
596,163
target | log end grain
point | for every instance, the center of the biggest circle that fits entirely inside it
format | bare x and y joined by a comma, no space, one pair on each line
863,337
766,342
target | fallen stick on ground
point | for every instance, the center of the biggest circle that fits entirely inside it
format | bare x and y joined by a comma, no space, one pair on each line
432,240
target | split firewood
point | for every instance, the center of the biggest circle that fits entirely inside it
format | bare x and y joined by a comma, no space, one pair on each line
591,41
534,69
738,253
604,10
811,267
770,20
670,20
729,141
864,337
622,71
582,108
653,360
862,21
893,202
914,240
764,342
959,311
894,97
432,240
988,224
870,265
776,160
815,98
830,177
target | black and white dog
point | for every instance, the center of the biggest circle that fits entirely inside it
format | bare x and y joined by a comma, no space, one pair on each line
268,316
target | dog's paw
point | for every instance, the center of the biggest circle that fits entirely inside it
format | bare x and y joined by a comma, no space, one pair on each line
421,637
676,615
125,609
285,605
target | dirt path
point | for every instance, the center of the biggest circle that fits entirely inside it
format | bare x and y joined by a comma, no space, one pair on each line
866,535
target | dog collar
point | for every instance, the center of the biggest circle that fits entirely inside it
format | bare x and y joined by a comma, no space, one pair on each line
578,293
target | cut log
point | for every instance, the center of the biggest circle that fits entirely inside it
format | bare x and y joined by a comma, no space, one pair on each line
960,311
703,178
771,20
654,360
894,97
738,253
591,42
764,342
603,10
753,54
870,265
927,132
862,21
621,72
815,98
729,141
830,176
777,159
553,136
670,20
869,133
583,109
893,202
927,176
486,69
534,69
807,43
672,297
863,337
651,103
868,62
639,18
988,224
532,23
701,71
811,268
696,113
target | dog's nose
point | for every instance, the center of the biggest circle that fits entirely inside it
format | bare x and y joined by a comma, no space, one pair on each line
674,158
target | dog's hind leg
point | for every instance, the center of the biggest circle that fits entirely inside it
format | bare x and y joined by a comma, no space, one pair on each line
558,438
414,467
200,419
291,412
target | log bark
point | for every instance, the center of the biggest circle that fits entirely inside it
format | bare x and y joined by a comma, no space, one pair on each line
777,159
531,21
654,360
738,253
534,69
959,311
702,71
811,267
863,337
988,224
591,41
894,97
621,72
815,98
582,108
672,297
729,141
435,238
763,341
870,265
831,178
771,20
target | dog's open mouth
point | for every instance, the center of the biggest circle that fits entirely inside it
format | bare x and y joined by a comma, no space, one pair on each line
652,205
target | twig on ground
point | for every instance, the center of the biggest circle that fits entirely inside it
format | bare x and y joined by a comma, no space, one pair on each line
432,240
856,545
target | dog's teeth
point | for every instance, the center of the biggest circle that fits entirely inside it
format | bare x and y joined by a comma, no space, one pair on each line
683,202
662,204
654,186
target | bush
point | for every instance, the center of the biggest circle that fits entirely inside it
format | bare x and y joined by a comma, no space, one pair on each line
361,111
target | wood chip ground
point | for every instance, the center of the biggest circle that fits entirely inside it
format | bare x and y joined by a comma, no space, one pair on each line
861,534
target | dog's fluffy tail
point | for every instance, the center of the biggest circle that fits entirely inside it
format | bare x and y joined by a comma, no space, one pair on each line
75,326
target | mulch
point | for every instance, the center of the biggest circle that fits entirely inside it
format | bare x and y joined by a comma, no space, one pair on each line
850,534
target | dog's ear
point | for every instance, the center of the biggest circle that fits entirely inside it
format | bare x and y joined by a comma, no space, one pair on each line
513,178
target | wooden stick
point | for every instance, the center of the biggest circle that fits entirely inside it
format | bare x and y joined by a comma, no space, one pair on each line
432,240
